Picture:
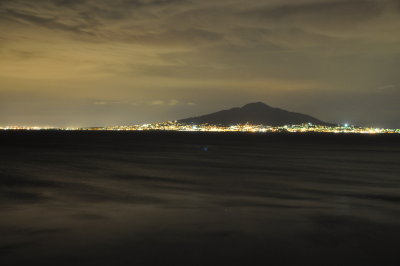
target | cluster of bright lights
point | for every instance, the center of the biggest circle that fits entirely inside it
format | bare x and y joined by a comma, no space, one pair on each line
37,128
176,126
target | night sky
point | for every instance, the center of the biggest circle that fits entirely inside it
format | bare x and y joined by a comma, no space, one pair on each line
89,63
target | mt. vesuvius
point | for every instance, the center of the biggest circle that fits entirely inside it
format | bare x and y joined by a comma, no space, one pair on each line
254,113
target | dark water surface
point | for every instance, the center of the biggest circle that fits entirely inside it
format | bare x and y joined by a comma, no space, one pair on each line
148,198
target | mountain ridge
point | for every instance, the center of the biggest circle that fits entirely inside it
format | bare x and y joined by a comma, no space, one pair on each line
254,113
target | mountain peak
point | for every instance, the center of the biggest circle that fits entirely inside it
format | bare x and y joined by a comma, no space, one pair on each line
255,105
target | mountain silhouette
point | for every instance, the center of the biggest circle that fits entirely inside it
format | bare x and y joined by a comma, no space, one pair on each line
254,113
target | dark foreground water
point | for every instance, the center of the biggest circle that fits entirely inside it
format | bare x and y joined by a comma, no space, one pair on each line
126,198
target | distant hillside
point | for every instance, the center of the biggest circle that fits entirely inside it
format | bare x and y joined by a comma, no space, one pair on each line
254,113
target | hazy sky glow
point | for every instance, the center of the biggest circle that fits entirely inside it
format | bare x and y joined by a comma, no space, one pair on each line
86,62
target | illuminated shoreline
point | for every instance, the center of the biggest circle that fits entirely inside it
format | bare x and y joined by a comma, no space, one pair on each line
175,126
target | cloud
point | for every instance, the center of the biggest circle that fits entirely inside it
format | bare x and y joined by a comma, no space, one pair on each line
151,52
319,9
389,88
47,22
173,102
100,103
162,102
157,102
105,102
101,22
348,23
337,13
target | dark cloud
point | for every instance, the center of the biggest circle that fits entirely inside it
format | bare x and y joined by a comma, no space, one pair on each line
351,19
51,23
338,11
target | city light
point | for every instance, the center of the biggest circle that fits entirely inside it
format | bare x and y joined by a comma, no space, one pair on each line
176,126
